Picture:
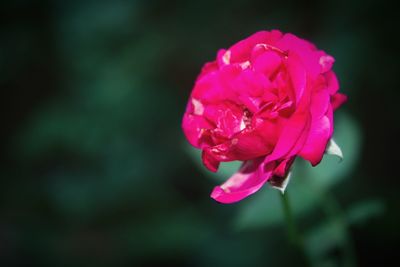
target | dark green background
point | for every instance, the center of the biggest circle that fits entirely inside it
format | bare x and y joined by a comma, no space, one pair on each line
95,170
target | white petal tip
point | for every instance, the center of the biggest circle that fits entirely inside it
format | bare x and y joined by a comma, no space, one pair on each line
333,149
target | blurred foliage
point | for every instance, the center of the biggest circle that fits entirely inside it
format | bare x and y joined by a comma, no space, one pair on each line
93,170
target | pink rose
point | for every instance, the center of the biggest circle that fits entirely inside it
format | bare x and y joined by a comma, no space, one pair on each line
264,101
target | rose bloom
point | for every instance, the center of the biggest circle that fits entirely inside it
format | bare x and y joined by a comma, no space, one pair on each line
264,101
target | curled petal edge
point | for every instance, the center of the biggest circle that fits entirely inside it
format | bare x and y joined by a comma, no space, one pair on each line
248,180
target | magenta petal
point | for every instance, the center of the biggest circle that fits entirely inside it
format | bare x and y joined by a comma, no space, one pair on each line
209,161
329,114
337,100
282,169
291,135
319,104
248,180
241,51
252,143
223,57
246,148
318,137
208,68
332,82
298,74
267,62
321,128
326,62
193,126
252,83
305,51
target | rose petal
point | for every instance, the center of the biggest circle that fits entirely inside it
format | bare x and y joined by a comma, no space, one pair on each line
337,100
248,144
267,62
298,76
306,51
215,87
292,134
207,68
326,62
252,143
283,167
241,51
209,161
248,180
194,128
318,137
319,103
320,130
332,82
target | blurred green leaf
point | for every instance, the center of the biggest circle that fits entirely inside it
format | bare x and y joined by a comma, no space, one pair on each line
361,212
332,233
323,238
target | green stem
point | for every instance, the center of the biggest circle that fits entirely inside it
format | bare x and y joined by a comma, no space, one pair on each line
290,224
292,231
